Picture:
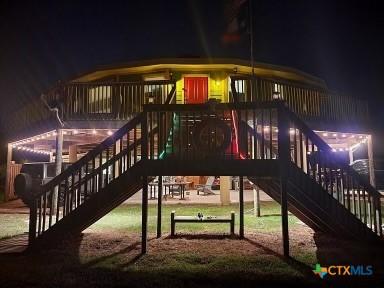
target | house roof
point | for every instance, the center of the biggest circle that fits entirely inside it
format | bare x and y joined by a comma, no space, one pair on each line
200,64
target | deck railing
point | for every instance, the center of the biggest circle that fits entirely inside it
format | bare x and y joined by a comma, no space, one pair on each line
91,101
213,131
306,101
108,100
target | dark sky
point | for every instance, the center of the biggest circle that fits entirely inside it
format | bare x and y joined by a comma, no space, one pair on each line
44,41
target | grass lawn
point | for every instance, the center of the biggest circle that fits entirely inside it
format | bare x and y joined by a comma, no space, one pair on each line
202,255
128,218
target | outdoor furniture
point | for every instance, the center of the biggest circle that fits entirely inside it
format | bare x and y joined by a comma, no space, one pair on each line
206,188
204,219
152,190
180,188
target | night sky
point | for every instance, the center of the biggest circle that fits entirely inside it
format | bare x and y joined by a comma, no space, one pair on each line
44,41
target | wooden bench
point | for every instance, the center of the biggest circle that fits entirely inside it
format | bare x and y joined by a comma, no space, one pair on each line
205,219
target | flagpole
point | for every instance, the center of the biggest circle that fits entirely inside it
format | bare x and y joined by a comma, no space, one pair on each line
251,45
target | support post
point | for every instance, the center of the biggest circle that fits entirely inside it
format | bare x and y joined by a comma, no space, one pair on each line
32,223
173,223
284,162
58,165
144,216
8,173
241,204
72,153
232,222
159,203
371,166
225,197
256,201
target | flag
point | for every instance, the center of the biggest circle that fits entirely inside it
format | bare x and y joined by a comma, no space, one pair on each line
236,15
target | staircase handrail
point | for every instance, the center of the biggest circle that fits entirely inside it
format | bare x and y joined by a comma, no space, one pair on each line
90,155
319,142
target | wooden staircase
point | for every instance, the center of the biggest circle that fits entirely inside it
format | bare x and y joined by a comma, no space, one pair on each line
304,173
90,188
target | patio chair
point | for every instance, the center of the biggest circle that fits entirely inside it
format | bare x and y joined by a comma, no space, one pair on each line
206,188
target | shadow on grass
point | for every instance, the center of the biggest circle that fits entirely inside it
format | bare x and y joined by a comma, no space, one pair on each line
63,266
339,251
299,266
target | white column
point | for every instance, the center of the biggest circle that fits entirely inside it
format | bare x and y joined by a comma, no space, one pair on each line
256,201
225,185
58,163
7,179
350,156
371,167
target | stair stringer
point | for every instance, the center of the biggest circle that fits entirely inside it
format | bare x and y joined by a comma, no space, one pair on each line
97,206
304,206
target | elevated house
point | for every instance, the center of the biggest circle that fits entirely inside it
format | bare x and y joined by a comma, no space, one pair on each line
164,117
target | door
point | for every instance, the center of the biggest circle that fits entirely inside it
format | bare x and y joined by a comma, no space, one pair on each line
195,90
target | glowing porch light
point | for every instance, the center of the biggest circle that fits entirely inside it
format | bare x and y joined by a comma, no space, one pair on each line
291,131
334,135
325,134
360,137
341,149
334,150
343,135
94,131
266,129
276,130
353,136
75,131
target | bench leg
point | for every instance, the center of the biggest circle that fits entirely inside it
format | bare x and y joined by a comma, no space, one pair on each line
173,223
232,223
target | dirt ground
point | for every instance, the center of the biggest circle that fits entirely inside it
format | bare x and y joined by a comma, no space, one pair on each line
111,259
